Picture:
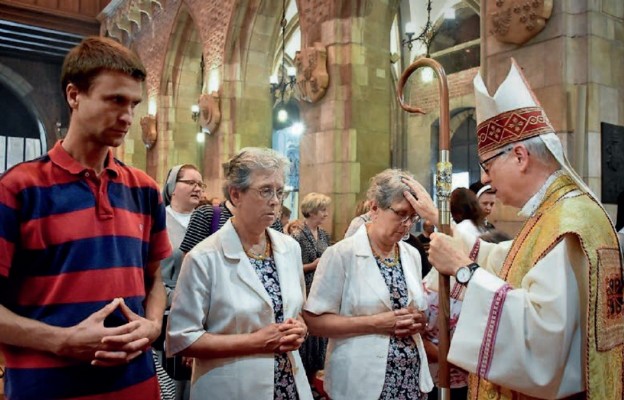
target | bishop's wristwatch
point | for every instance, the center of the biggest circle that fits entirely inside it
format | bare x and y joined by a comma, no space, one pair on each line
464,274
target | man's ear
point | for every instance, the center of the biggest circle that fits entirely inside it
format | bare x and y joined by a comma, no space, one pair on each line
521,156
71,95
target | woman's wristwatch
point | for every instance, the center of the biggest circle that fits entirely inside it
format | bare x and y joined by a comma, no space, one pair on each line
464,273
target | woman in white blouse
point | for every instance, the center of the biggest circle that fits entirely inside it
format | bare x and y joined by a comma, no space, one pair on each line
236,307
367,297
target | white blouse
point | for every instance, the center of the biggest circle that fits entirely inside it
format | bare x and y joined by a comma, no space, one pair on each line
348,282
219,292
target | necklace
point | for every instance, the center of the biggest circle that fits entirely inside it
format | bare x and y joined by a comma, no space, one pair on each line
256,255
387,261
263,254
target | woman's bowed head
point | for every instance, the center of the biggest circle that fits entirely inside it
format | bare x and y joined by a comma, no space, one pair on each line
367,298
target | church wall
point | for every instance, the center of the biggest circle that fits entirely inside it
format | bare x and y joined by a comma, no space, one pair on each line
348,136
581,45
39,84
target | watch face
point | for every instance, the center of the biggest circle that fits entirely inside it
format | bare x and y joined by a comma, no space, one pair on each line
463,275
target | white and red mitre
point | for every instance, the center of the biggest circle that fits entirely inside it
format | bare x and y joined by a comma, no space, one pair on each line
511,115
514,114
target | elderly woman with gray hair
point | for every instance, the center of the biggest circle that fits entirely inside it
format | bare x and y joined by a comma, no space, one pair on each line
367,297
237,304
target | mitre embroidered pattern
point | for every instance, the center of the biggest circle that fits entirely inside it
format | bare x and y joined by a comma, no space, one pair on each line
512,126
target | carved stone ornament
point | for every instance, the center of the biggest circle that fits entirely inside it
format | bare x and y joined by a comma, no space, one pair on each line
125,16
209,112
518,21
149,133
312,76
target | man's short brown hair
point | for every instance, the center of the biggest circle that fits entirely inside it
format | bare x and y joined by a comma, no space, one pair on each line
95,54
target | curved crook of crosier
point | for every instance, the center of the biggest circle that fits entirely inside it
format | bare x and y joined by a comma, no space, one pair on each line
444,96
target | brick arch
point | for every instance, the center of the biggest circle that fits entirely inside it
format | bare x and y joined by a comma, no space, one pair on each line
24,90
180,88
459,117
252,37
158,44
314,12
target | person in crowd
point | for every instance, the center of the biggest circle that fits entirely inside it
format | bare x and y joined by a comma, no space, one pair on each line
414,242
362,216
467,213
285,215
367,298
237,304
313,240
81,238
424,238
544,322
182,193
294,227
486,196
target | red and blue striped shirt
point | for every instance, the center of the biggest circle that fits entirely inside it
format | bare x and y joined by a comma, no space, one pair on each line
72,241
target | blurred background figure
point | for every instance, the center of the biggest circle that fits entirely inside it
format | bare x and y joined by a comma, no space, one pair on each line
425,237
313,240
294,227
467,213
362,216
237,305
182,193
285,215
486,196
368,298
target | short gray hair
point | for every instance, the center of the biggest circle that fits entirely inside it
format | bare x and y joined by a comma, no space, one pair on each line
237,172
387,187
538,149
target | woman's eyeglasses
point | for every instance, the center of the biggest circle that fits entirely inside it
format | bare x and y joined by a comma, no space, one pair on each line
405,218
193,183
267,193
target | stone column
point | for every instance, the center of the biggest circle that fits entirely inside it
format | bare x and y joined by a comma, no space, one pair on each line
581,45
347,138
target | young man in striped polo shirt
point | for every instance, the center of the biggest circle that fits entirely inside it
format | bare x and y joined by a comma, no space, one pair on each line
81,238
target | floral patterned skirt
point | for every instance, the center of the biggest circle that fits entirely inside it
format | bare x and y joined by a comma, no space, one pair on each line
402,371
285,388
